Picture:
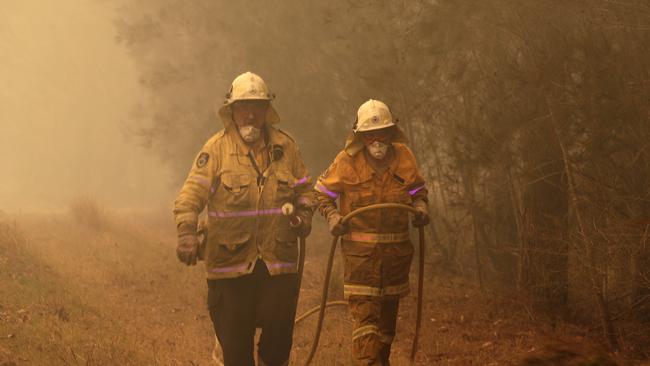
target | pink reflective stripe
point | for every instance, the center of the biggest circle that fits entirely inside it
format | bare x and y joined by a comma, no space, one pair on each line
213,189
268,211
239,268
321,188
416,190
280,265
200,180
300,181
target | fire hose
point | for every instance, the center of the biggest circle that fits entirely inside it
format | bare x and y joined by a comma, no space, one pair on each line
289,210
328,273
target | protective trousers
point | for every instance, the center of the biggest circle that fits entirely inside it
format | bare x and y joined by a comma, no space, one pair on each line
375,319
239,305
376,276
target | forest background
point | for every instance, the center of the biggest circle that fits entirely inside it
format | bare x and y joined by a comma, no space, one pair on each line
530,121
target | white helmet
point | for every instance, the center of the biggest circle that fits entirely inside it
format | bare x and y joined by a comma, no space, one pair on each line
248,86
372,115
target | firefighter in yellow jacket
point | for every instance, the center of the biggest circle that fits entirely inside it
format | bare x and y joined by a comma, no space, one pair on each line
375,167
244,175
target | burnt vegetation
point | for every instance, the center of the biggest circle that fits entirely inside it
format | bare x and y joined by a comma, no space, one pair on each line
530,119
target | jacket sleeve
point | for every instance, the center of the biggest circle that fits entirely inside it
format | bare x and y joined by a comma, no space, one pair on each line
304,198
417,188
328,188
195,192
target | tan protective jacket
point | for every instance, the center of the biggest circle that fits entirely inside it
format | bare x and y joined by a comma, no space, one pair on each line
245,220
377,248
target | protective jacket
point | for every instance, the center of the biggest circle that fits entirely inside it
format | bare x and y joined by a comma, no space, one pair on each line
244,200
377,249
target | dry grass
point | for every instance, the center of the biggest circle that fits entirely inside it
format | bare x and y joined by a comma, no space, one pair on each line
73,295
87,211
44,321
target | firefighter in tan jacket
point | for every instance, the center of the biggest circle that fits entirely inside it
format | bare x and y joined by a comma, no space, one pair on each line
244,175
375,167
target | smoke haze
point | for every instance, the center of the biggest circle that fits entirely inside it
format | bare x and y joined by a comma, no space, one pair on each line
67,88
529,120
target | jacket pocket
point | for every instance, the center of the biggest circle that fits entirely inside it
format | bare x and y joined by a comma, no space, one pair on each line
369,220
286,245
398,250
394,219
233,241
362,264
236,189
359,193
357,250
284,187
227,247
361,198
233,237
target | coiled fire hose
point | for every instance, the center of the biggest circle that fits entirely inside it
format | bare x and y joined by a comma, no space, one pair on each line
328,273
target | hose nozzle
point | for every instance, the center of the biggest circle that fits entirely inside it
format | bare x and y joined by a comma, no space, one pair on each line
288,209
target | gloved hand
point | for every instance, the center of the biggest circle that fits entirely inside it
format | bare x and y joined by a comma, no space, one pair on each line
302,225
187,249
337,227
202,236
422,216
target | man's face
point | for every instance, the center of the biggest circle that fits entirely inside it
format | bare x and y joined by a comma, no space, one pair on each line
250,113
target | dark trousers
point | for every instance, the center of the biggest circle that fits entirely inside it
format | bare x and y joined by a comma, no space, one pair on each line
239,305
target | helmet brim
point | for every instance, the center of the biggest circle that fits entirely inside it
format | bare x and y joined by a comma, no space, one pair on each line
354,144
225,113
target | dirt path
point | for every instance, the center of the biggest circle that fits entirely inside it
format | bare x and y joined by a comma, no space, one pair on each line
117,295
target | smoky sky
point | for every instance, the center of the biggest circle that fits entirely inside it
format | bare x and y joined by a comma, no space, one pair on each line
67,88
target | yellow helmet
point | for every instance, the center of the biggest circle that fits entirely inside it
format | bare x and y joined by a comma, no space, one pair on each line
248,86
372,115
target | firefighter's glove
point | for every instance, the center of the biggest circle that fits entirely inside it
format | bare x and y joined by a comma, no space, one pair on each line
202,236
188,248
422,215
301,222
336,225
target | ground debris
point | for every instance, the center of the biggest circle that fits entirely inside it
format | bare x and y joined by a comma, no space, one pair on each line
62,314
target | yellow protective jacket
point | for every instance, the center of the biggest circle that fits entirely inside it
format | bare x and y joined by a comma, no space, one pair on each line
244,217
377,249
